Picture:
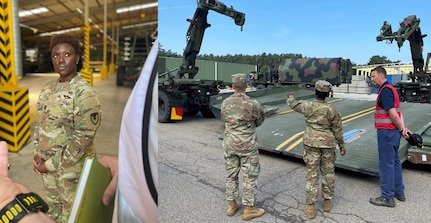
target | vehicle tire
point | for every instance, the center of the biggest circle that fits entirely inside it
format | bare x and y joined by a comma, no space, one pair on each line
165,106
207,113
121,74
260,86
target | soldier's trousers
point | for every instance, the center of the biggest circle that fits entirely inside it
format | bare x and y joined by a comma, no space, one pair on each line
319,164
248,163
60,187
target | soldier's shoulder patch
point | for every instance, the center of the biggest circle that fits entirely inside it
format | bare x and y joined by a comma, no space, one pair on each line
95,118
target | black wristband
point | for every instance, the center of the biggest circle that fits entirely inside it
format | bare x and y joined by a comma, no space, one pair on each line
22,205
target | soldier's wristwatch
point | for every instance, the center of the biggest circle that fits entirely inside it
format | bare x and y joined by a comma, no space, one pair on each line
22,205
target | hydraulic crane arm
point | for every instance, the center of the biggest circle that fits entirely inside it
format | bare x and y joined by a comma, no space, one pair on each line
409,30
196,31
221,8
409,26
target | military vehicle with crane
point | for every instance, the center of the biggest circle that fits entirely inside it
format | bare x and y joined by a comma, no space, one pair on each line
180,93
418,89
282,130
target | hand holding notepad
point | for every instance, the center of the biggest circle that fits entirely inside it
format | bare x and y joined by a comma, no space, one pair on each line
88,205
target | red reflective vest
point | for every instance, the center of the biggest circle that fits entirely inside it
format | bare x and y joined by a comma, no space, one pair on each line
381,117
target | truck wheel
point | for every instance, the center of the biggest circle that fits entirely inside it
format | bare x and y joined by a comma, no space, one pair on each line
207,113
121,73
260,86
165,107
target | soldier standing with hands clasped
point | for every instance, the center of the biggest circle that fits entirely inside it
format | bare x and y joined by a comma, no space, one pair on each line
323,132
242,115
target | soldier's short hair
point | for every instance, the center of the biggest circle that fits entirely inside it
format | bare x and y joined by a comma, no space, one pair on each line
322,95
66,38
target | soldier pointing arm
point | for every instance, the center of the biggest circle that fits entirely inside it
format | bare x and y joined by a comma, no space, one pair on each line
323,132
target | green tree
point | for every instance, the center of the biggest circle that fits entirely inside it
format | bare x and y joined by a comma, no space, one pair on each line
169,53
376,59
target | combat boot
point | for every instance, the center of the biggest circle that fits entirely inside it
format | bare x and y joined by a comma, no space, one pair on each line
232,207
251,212
310,211
327,205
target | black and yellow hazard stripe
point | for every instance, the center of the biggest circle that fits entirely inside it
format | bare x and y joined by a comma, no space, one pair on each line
14,101
86,72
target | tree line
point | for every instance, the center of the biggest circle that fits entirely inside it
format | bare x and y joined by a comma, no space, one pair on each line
264,61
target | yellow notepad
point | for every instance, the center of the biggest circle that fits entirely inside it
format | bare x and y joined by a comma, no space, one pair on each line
88,206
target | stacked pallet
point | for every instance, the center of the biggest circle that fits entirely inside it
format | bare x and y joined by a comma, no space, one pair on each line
359,85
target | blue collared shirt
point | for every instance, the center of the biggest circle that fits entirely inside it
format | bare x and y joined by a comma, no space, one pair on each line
386,99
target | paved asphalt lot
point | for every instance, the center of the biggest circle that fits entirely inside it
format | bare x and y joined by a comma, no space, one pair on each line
192,175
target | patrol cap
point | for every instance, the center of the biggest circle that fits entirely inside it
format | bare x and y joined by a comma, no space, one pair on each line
323,86
239,78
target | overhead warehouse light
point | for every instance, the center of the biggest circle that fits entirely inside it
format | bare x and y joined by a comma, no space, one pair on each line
60,31
35,11
137,7
29,27
139,25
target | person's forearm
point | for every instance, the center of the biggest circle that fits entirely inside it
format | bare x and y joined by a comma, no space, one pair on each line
9,196
39,217
396,120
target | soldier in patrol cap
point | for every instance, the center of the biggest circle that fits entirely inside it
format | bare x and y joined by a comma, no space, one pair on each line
242,115
323,132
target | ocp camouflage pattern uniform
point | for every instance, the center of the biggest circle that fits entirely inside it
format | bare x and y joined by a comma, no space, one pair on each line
68,117
242,115
323,132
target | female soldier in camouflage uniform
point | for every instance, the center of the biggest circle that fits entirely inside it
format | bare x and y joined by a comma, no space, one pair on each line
323,132
68,112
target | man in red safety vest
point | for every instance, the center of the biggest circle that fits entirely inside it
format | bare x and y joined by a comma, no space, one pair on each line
389,122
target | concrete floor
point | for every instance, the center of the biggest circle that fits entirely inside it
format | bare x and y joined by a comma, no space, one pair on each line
113,100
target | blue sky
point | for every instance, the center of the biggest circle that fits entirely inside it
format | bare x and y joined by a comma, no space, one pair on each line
330,28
